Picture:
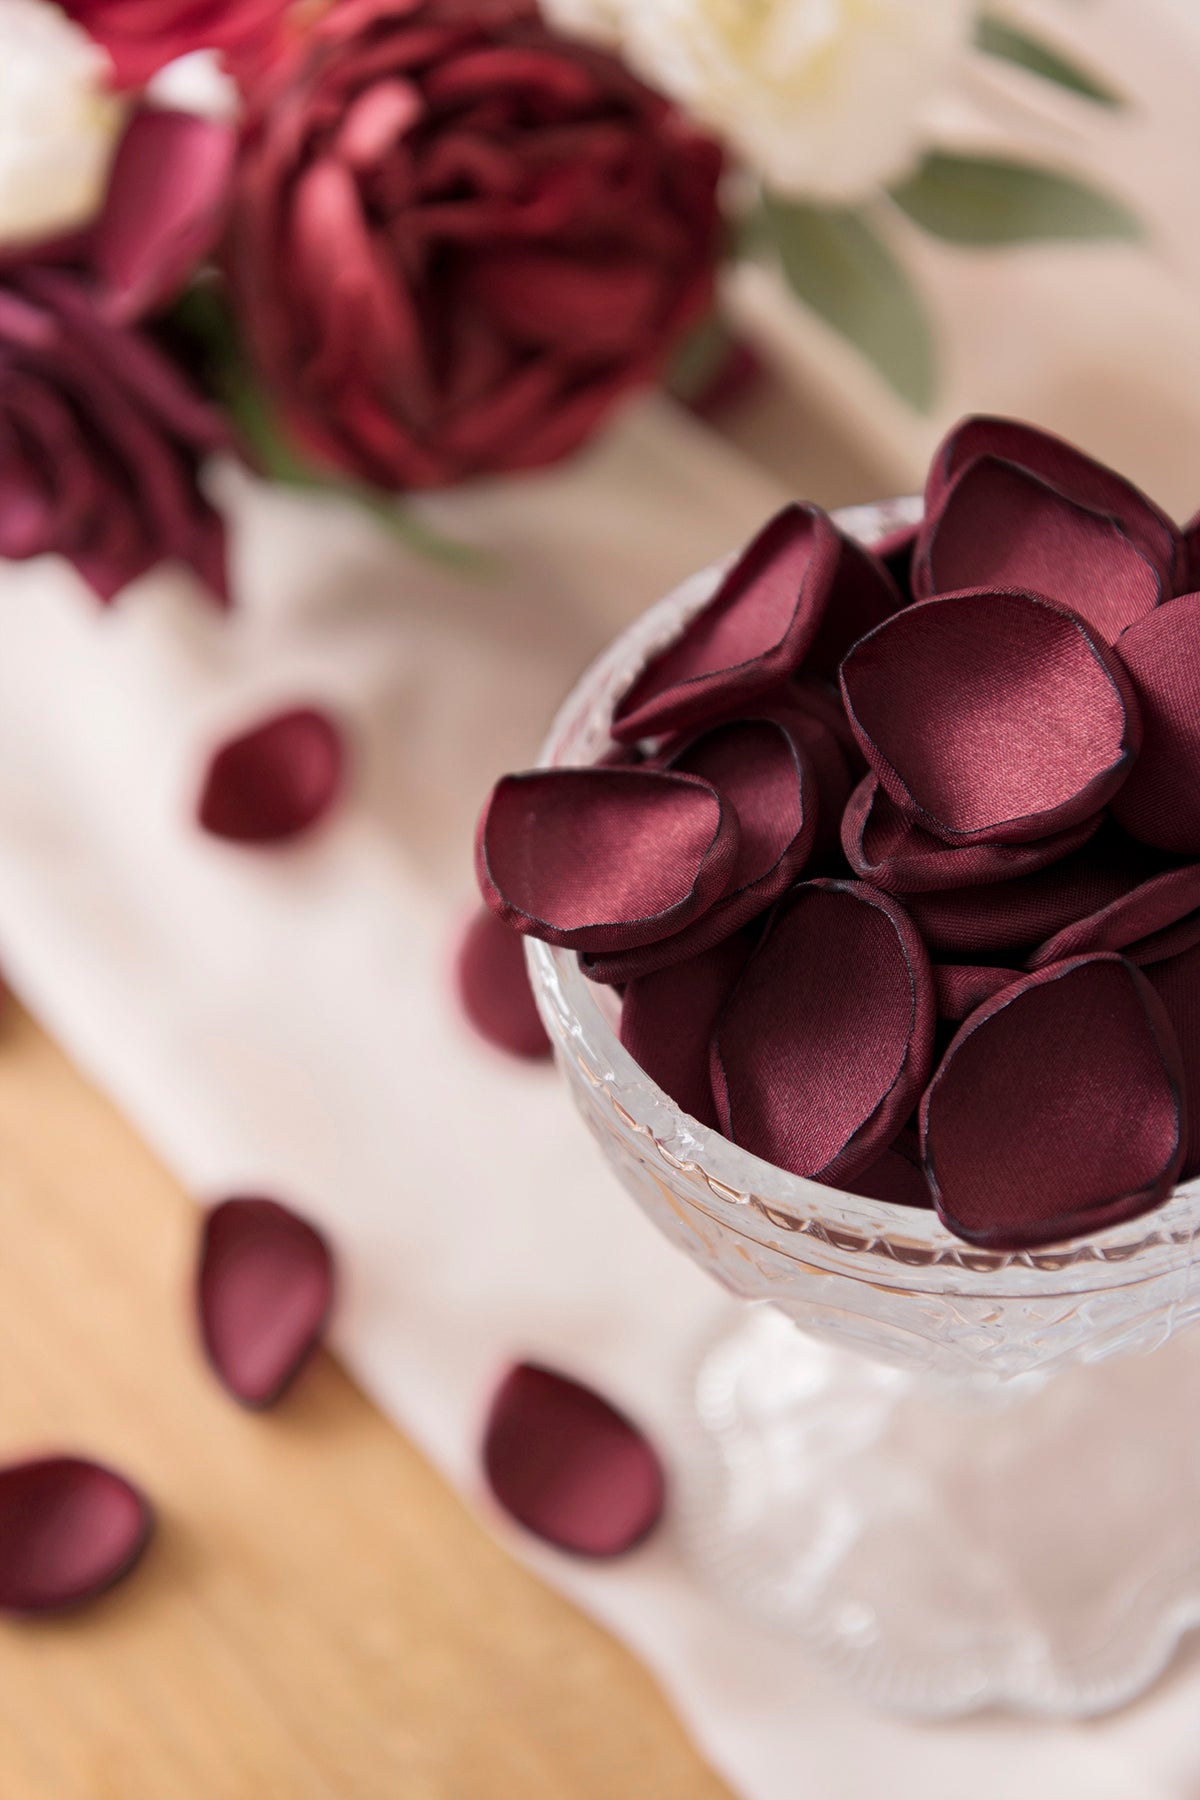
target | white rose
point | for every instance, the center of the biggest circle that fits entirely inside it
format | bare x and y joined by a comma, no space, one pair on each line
823,97
58,124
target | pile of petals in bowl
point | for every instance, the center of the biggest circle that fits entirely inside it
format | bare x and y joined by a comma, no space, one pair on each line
896,856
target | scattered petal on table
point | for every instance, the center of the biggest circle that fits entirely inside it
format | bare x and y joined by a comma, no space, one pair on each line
275,781
1079,476
1160,801
264,1291
69,1529
493,987
885,846
568,1466
1058,1108
992,715
823,1047
1001,527
604,859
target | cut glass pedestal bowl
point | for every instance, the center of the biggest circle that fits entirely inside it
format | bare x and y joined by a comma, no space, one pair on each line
960,1475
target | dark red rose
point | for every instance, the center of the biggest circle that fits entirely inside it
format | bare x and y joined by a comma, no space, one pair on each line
142,36
458,239
101,441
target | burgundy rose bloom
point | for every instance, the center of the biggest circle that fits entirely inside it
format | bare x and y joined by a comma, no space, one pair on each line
458,239
142,36
101,441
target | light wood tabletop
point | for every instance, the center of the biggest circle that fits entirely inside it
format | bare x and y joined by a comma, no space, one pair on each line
318,1617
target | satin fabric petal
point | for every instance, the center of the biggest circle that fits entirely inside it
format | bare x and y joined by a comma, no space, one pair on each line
898,1178
1008,920
264,1291
961,987
276,781
668,1017
1176,981
1075,474
822,1049
604,859
569,1467
759,769
1160,801
70,1529
998,526
1149,907
801,593
992,716
885,846
1058,1108
748,638
494,991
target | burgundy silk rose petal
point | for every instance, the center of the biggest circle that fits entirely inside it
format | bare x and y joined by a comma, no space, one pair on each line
992,716
895,551
1075,474
885,846
1147,908
961,987
69,1530
1058,1108
1171,941
164,209
824,1045
264,1292
1190,579
1160,802
276,781
1176,981
749,637
667,1021
898,1177
568,1466
757,767
604,859
493,988
1009,919
1000,527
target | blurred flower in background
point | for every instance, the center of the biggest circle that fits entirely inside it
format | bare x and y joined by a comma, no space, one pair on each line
458,238
421,241
143,36
821,97
59,123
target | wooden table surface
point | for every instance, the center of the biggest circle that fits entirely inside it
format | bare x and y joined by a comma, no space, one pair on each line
318,1617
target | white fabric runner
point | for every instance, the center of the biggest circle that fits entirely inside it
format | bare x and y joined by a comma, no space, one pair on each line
282,1021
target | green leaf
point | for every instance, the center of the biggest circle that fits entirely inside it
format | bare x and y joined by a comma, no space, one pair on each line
998,38
988,200
839,266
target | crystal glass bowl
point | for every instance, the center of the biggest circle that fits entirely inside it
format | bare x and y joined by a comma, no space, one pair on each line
933,1480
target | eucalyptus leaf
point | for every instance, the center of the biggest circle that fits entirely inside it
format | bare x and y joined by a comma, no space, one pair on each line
839,265
981,200
998,38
